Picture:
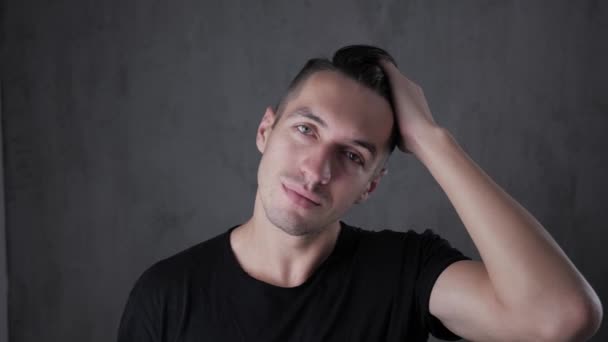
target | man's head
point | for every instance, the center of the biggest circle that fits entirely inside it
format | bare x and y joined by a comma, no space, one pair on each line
326,146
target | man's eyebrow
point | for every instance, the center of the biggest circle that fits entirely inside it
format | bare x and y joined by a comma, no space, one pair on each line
306,112
366,145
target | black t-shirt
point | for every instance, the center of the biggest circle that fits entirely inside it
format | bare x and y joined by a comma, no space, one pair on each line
374,286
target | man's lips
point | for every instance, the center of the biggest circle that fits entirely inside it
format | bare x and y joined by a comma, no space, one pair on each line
303,193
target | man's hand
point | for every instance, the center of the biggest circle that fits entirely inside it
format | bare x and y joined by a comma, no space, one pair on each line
412,113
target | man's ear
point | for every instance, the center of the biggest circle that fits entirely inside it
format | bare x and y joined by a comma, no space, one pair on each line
372,185
265,128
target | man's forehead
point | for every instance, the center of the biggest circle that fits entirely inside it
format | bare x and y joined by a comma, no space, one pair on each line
330,78
329,93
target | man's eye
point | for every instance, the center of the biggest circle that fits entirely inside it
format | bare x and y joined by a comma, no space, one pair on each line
354,157
303,129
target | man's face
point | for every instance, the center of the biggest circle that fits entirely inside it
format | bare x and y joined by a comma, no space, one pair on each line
324,154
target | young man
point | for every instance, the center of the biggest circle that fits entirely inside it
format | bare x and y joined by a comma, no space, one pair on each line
295,272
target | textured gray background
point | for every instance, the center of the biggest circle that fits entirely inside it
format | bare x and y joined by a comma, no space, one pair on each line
129,130
3,273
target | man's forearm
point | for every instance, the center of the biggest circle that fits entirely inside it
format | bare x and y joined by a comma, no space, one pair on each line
526,267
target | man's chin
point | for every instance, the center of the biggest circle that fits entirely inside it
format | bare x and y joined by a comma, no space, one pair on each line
295,225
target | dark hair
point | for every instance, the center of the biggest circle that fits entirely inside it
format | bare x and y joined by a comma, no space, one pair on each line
360,63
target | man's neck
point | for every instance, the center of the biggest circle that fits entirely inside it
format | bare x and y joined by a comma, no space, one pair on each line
269,254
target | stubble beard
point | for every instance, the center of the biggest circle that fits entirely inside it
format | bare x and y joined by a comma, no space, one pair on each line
287,221
291,225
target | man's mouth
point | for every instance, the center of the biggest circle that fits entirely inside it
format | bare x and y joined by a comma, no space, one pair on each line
301,196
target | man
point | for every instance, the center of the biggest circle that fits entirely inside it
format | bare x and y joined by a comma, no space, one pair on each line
295,272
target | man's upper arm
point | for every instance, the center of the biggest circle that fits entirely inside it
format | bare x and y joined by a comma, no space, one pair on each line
464,301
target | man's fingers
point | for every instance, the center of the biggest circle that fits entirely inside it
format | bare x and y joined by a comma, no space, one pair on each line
389,67
397,78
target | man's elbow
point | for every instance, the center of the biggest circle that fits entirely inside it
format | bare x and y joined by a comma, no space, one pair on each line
577,320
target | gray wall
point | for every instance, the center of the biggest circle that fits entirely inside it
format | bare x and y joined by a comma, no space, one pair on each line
3,273
129,129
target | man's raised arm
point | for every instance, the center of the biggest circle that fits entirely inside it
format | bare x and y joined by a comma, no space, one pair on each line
525,288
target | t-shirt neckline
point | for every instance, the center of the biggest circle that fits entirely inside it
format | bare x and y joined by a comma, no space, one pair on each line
233,262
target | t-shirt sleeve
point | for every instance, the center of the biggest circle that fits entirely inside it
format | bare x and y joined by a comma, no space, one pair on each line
436,255
141,318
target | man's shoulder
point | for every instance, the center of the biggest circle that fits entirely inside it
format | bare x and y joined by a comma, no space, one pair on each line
182,266
392,236
389,243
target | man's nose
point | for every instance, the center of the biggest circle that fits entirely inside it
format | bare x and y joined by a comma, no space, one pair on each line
316,167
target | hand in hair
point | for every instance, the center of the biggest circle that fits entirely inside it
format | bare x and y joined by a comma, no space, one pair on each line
412,113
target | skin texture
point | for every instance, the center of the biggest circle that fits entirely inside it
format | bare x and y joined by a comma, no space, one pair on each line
524,289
